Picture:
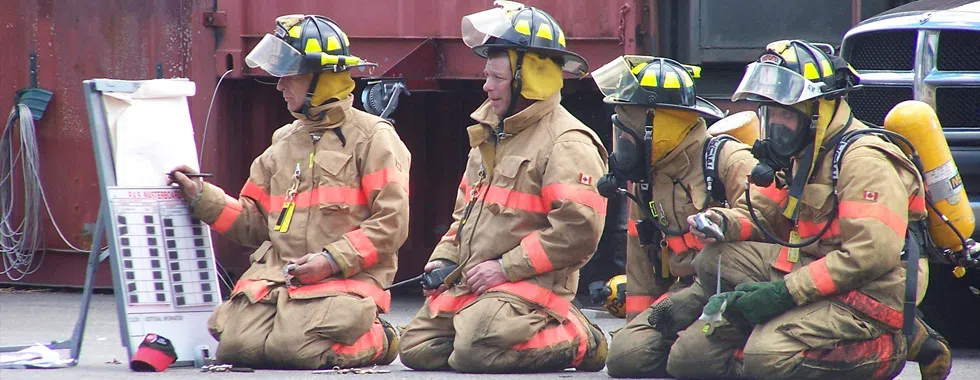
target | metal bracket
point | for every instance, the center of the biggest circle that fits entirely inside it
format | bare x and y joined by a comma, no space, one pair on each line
215,19
33,72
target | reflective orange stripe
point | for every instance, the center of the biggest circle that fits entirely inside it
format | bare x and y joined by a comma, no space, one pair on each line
536,294
808,229
551,336
583,339
881,350
373,339
228,215
917,204
449,236
576,193
515,200
325,194
382,298
782,261
380,178
536,254
821,277
463,187
365,248
251,190
637,304
443,302
745,227
255,289
631,228
776,195
683,243
856,209
872,308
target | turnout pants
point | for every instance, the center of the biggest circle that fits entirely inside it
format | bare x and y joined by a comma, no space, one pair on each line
280,332
640,348
832,338
493,333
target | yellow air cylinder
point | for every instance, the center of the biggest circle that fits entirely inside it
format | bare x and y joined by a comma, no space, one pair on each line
917,122
743,126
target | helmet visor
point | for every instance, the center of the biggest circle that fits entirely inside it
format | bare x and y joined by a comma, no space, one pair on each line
616,79
478,27
275,56
776,83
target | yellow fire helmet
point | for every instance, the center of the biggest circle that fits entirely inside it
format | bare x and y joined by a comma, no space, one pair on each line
615,302
304,44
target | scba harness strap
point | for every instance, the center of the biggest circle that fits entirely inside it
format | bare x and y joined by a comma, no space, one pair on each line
709,167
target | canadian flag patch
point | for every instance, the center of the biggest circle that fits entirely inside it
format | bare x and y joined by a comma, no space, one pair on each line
871,195
585,179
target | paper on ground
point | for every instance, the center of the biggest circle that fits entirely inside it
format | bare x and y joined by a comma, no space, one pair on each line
36,356
151,131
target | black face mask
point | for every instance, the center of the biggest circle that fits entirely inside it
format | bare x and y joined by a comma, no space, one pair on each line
788,131
630,159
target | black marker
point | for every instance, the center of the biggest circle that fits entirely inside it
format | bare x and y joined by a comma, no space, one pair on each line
196,175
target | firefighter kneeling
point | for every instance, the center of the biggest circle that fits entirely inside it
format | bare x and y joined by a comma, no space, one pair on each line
827,303
662,145
527,215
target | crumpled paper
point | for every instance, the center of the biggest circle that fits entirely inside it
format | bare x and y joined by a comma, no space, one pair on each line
36,356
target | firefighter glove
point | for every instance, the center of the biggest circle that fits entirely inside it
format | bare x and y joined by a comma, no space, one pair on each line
759,302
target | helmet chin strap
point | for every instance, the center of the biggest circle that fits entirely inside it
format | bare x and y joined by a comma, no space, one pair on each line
307,106
515,93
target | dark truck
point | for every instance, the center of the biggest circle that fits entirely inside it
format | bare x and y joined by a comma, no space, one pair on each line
929,50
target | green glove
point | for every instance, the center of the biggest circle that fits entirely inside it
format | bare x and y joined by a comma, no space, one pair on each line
717,304
762,301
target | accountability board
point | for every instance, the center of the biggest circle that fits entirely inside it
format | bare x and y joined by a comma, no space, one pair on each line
167,266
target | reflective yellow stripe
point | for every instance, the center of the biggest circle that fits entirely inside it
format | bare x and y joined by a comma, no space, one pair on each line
648,80
313,46
523,27
671,80
827,69
294,31
544,31
639,68
810,71
561,38
333,43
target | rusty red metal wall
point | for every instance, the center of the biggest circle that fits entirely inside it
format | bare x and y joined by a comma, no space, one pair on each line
76,40
201,39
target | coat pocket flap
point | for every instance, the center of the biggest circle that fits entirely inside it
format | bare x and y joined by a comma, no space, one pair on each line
332,162
510,166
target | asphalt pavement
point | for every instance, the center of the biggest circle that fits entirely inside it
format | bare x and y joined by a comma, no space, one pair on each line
30,316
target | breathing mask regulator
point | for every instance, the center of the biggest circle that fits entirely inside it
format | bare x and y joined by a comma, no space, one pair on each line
788,131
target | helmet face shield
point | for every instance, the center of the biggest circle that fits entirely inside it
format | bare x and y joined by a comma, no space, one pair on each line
616,79
479,27
512,25
777,84
275,56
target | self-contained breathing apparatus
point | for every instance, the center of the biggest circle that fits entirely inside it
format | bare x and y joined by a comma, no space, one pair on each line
820,94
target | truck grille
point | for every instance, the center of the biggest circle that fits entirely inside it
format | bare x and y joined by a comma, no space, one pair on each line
891,50
958,51
958,107
871,104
